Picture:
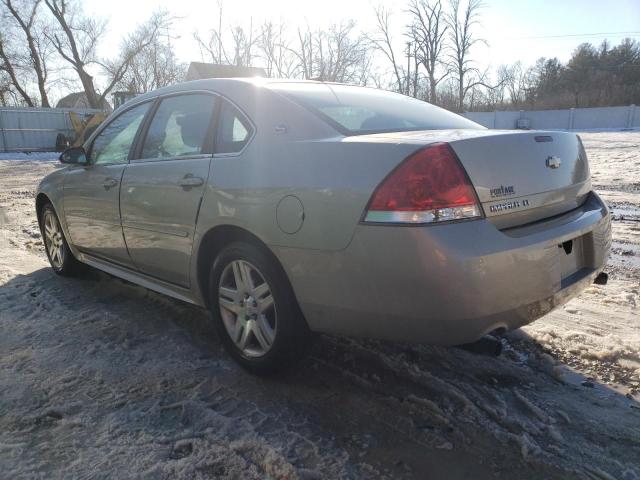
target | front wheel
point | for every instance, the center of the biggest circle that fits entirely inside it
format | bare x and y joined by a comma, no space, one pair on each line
58,252
255,311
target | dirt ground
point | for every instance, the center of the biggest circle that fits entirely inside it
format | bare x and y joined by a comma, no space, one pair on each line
103,379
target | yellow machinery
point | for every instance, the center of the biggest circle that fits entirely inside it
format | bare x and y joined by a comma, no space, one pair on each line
85,125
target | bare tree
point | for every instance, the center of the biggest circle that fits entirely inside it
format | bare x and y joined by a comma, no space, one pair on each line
76,43
305,52
514,80
209,47
480,88
461,21
240,52
428,30
383,42
241,47
337,54
25,17
275,50
77,39
244,44
414,76
154,67
7,66
346,54
143,43
6,92
503,74
213,46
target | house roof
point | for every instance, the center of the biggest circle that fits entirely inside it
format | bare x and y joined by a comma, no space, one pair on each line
200,70
78,100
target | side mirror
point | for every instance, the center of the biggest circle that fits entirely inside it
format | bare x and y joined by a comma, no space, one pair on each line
74,156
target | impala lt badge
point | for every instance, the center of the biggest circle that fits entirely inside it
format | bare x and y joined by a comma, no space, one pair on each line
506,206
553,162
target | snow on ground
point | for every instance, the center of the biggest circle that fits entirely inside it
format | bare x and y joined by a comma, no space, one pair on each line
29,156
600,330
101,378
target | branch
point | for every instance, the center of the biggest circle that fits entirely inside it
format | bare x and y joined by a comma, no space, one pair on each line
8,67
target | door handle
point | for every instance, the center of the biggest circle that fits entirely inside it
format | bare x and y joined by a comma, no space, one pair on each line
190,181
110,182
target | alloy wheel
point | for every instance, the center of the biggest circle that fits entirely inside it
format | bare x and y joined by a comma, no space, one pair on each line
53,239
247,308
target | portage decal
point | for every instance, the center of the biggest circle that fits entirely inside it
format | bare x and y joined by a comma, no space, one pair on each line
502,191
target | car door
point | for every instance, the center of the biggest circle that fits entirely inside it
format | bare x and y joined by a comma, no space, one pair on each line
162,187
91,191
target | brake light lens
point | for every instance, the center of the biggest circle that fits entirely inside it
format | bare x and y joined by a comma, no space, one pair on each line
429,186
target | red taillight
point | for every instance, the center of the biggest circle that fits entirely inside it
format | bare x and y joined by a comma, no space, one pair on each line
429,186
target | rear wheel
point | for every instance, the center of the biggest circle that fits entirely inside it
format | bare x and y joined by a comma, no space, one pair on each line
58,252
255,311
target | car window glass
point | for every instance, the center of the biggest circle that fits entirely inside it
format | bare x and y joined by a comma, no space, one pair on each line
234,130
179,127
355,118
359,110
112,145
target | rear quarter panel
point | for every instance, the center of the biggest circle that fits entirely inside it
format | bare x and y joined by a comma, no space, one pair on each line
294,153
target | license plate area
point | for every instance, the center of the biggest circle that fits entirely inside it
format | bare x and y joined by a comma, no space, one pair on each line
571,259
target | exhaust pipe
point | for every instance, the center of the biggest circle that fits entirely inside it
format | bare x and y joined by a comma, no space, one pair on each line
487,345
601,279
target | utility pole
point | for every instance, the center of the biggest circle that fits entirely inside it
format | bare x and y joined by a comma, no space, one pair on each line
220,32
408,68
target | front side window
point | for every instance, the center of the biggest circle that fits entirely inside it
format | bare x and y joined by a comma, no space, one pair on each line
234,130
179,127
112,145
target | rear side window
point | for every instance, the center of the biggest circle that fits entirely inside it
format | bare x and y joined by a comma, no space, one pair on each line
358,110
234,130
179,127
112,144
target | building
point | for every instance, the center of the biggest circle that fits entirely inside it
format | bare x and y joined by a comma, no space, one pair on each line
199,70
79,100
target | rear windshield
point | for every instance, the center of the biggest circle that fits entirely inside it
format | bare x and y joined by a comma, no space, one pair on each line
358,110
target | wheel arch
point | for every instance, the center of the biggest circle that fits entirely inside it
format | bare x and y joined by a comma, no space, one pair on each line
214,240
41,200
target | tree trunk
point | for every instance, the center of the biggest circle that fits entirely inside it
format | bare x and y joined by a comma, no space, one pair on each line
37,65
44,99
12,75
460,91
89,89
432,89
37,62
415,75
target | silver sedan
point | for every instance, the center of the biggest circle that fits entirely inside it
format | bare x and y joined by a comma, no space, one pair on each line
295,207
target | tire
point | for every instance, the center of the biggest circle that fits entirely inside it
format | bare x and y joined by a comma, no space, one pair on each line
55,244
62,142
252,301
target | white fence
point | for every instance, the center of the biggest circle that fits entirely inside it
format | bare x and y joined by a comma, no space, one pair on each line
603,118
31,129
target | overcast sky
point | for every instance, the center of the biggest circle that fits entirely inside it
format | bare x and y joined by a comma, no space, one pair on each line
507,25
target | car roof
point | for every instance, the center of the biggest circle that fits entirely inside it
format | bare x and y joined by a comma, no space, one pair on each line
220,85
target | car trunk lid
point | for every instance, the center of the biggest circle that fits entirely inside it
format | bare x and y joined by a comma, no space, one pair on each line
520,176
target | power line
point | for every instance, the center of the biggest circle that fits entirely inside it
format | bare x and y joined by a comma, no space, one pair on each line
579,35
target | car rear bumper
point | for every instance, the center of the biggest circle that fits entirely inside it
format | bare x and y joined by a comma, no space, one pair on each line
451,283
